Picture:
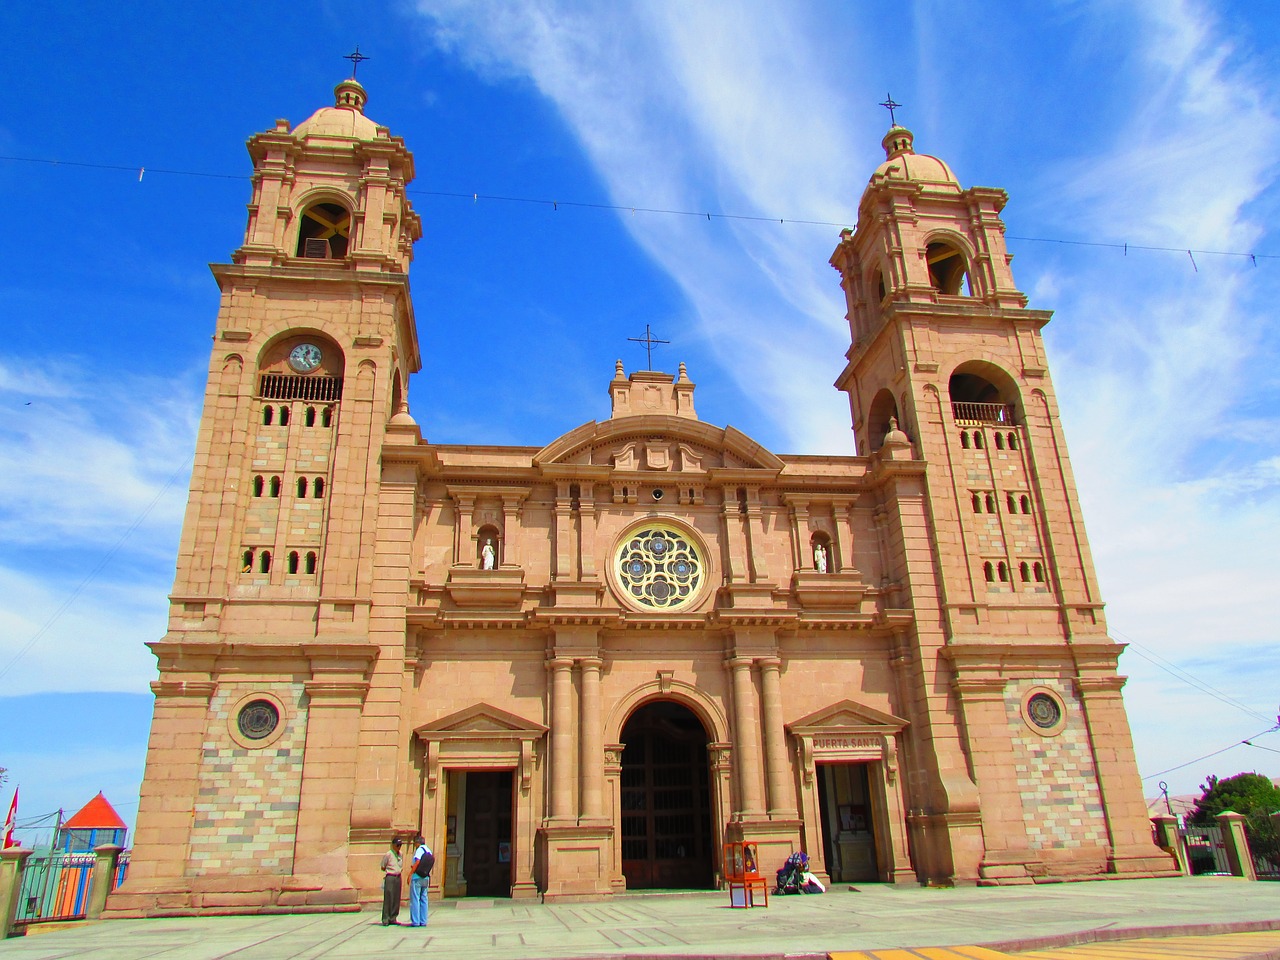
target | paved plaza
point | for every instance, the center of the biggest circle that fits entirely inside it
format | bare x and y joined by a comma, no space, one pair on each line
872,918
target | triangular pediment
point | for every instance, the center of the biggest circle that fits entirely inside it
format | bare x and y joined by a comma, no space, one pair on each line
657,443
846,715
480,719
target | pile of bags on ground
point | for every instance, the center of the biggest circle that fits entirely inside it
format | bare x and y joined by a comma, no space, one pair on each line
794,876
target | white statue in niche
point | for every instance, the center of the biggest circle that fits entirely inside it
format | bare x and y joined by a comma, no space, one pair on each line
488,556
820,557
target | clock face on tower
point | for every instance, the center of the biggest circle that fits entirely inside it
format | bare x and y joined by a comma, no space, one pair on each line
305,357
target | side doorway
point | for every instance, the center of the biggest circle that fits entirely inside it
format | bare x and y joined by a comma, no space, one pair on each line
848,824
480,833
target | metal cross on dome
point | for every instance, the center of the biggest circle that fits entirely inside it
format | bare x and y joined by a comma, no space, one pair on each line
356,59
648,340
889,105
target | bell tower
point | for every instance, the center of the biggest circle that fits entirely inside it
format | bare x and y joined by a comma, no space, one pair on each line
270,655
1008,675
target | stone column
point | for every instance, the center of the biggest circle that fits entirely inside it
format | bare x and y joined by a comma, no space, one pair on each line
13,861
591,736
1116,768
746,739
781,795
755,536
107,855
1239,858
561,739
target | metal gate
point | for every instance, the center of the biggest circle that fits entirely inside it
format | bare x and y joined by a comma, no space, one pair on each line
1264,846
56,886
1206,850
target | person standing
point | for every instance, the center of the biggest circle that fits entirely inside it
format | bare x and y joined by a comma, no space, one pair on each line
420,881
392,866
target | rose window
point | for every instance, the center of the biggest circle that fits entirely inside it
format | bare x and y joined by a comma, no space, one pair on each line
1044,711
658,567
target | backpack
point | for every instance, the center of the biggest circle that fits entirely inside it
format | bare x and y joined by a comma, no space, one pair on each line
425,863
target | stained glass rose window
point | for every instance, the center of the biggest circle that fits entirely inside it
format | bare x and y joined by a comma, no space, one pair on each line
658,567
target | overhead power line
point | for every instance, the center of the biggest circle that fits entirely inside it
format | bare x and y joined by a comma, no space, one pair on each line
1246,742
555,204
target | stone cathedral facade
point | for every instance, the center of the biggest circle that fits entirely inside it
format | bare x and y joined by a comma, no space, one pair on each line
581,667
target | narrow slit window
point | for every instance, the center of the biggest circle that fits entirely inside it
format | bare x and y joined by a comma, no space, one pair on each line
1039,573
268,414
310,417
1003,572
293,561
318,488
246,561
977,440
311,561
284,416
258,484
1025,503
988,572
264,562
991,504
977,503
302,487
999,441
275,486
1013,505
964,439
1024,570
1013,441
326,417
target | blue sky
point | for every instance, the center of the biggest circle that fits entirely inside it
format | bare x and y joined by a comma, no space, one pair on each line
1148,123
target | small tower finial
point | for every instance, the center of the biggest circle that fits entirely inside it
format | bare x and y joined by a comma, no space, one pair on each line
887,103
356,59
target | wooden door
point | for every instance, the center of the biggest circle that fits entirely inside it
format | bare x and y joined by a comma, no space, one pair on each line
486,853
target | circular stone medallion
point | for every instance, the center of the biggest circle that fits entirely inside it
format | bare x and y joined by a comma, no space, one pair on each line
258,719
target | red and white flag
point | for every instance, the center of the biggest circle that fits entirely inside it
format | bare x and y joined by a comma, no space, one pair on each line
10,821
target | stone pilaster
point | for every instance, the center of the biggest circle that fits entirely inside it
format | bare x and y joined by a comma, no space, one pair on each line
591,763
562,810
782,802
746,736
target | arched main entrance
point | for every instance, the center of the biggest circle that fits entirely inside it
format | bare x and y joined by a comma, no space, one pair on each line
667,838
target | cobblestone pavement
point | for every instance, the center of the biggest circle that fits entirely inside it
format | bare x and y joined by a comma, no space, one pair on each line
875,920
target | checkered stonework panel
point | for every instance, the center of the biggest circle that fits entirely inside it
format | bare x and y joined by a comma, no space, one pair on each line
1055,775
246,814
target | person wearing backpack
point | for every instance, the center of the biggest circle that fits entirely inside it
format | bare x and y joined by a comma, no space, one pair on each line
420,881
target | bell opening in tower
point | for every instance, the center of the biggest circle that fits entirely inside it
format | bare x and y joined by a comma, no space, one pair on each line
324,232
666,831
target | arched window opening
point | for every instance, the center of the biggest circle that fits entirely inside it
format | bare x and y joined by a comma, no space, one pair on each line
284,416
488,547
267,415
275,486
999,440
883,409
311,561
977,440
310,417
1013,441
317,489
324,232
1025,503
977,503
989,572
1039,572
293,561
991,504
975,399
1013,506
258,483
264,562
326,417
246,561
1003,572
948,273
964,439
302,487
1024,570
820,549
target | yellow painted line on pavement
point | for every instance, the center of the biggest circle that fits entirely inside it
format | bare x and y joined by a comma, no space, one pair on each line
1228,946
923,953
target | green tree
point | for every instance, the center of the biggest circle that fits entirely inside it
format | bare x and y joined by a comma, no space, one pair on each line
1250,794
